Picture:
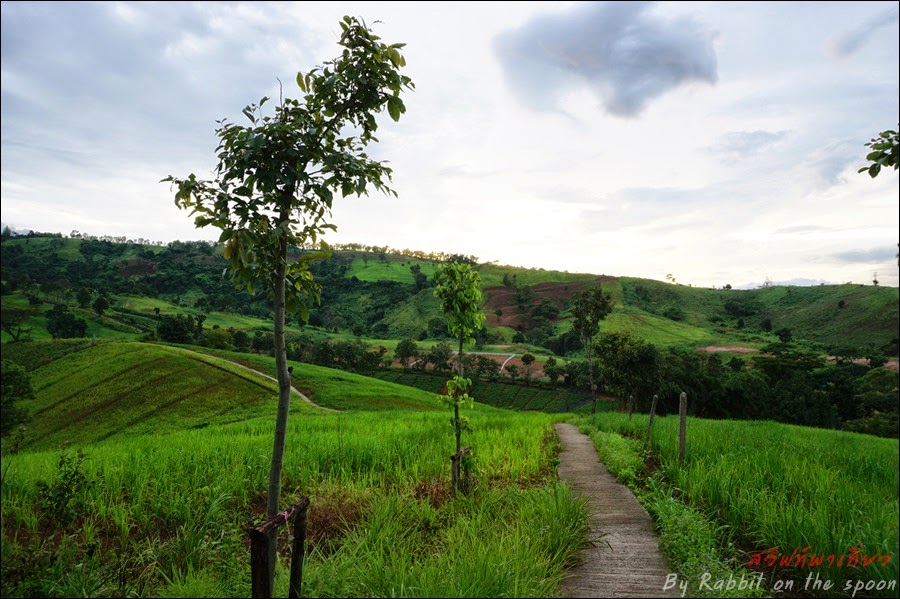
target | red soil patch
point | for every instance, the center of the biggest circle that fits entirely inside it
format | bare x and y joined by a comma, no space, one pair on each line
893,365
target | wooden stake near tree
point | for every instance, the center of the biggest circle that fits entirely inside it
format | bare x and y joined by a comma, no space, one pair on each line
276,181
261,584
460,298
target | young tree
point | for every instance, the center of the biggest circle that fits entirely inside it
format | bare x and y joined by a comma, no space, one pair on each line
527,360
83,296
276,181
590,307
12,320
406,349
101,305
458,291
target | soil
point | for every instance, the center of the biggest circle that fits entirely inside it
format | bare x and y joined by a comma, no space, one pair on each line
735,349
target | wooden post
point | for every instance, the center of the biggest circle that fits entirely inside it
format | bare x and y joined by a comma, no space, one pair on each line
630,406
682,426
455,460
260,563
260,584
652,414
299,549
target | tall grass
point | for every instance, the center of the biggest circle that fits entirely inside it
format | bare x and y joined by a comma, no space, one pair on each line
786,487
166,516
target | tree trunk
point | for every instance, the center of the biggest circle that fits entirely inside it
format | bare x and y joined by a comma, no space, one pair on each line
587,343
284,401
456,424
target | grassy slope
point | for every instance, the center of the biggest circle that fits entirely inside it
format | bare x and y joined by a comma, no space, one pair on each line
410,318
391,269
89,392
341,390
871,315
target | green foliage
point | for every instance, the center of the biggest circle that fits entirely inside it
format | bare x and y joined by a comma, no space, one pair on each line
62,324
179,328
13,321
406,349
885,152
101,304
15,387
278,176
628,366
64,499
460,298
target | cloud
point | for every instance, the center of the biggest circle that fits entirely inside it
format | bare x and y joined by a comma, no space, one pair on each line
741,144
866,256
852,41
619,50
801,230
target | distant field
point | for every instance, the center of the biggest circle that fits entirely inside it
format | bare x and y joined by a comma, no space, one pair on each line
391,269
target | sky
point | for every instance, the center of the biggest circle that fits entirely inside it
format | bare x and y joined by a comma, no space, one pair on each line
709,142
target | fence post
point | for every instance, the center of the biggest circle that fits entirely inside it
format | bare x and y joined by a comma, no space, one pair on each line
630,406
682,426
260,582
652,414
260,585
298,550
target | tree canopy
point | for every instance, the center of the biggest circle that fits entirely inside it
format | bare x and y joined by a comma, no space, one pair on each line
885,152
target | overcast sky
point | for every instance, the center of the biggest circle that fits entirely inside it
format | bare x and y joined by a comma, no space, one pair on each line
717,142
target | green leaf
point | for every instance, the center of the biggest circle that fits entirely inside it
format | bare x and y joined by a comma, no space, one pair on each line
395,107
300,82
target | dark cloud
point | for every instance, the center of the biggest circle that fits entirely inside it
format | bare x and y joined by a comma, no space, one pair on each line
624,53
884,254
851,41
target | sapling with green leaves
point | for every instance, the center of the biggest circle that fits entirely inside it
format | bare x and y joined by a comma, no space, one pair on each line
459,293
277,178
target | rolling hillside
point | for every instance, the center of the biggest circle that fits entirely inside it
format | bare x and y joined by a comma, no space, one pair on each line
386,296
86,392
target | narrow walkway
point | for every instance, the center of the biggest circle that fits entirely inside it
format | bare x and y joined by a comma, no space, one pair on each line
626,562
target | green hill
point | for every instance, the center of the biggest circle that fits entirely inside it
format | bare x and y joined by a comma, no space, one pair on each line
87,392
384,295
